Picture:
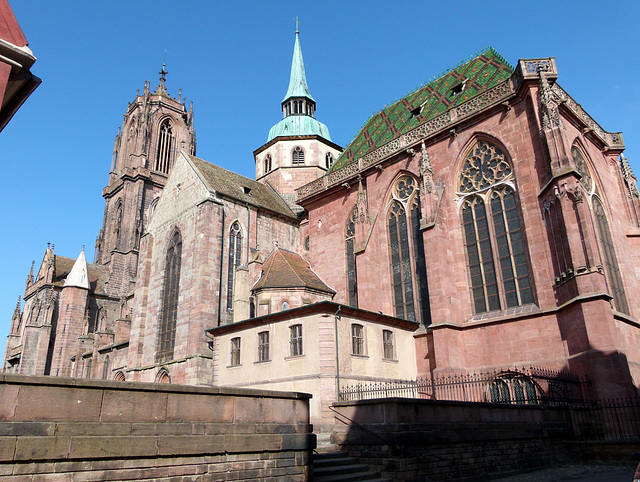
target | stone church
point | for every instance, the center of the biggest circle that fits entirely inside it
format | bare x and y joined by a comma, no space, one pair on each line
484,221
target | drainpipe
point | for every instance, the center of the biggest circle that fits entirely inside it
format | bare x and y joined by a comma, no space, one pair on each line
221,266
335,327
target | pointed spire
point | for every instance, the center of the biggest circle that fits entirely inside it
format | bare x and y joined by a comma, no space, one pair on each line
298,80
16,312
30,275
79,274
163,77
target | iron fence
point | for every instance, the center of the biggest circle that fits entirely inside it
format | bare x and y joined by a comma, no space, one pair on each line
532,385
610,419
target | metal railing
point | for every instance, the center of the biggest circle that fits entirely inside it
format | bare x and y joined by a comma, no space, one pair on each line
532,385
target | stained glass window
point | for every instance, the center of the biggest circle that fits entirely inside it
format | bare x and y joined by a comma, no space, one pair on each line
408,266
235,252
496,251
609,258
169,312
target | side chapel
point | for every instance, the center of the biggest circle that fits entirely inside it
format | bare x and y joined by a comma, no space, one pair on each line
484,221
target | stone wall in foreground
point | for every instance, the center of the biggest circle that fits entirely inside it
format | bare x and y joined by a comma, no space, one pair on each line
444,440
73,429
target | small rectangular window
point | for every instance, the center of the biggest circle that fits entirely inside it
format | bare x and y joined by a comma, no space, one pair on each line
235,352
295,340
263,346
388,345
357,340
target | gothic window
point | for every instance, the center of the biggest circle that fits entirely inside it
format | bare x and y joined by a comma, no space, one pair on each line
118,220
295,340
408,267
235,251
169,313
352,284
492,231
609,258
105,368
329,160
263,346
235,352
285,306
297,157
267,163
581,166
357,339
165,147
87,371
163,376
388,346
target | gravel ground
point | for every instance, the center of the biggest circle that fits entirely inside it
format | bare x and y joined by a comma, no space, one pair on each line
579,473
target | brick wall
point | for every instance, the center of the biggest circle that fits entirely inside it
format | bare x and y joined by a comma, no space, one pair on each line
65,429
434,440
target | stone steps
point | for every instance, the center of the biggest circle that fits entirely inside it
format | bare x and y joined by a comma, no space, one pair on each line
331,466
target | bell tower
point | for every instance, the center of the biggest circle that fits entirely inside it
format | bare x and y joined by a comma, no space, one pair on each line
156,128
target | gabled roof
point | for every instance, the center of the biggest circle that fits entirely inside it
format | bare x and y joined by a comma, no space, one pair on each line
231,185
285,269
473,77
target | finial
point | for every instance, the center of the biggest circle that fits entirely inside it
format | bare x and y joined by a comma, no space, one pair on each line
297,25
163,73
179,94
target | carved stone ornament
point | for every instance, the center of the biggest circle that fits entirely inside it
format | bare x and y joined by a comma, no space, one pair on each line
426,171
629,178
361,205
549,107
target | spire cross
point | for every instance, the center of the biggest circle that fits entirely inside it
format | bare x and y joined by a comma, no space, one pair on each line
163,73
297,24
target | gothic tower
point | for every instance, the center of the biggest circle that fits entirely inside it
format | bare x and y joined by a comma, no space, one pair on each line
156,128
299,148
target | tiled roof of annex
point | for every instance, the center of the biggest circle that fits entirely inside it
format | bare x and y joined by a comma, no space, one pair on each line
286,269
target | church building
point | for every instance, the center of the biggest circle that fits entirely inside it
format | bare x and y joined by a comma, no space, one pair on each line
485,221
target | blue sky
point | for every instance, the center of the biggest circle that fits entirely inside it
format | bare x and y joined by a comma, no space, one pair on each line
233,60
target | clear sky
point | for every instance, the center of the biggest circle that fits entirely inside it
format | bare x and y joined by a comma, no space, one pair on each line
233,60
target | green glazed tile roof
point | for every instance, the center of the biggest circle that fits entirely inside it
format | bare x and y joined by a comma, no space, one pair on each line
481,73
299,125
298,80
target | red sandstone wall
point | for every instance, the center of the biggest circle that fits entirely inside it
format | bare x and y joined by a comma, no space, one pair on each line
88,430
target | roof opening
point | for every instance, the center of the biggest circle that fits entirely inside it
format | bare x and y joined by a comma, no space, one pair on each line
458,89
246,189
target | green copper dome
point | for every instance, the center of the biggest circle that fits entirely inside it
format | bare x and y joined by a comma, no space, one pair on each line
299,125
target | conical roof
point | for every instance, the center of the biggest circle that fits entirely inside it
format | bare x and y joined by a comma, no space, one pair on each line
79,274
298,80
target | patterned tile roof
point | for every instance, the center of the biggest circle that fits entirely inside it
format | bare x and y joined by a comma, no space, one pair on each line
234,186
285,269
476,75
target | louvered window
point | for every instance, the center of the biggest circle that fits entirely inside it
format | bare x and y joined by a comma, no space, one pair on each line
297,157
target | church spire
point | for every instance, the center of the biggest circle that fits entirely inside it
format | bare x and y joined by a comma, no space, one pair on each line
298,80
79,274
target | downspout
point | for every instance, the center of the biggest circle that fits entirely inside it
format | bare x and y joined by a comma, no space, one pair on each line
221,266
248,231
335,327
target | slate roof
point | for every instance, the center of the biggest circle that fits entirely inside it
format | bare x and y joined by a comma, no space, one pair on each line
98,274
286,269
481,73
234,186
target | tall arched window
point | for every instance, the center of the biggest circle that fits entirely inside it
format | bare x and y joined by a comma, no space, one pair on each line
609,258
493,237
235,252
118,221
297,156
165,147
105,368
408,267
582,168
169,313
267,164
352,282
